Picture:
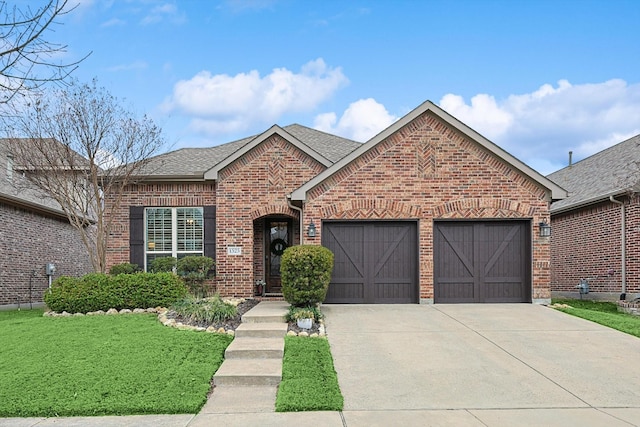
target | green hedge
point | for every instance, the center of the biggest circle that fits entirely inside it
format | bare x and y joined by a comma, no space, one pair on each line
98,291
306,273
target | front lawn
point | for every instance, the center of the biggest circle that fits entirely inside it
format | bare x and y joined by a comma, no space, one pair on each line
604,313
102,365
309,380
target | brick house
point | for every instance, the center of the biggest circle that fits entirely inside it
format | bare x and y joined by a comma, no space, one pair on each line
596,229
34,231
426,211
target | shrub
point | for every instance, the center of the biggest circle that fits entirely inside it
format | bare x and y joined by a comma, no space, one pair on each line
98,291
195,270
208,310
124,268
306,273
164,264
310,312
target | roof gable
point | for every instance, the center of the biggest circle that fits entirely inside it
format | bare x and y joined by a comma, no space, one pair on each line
212,174
611,172
556,191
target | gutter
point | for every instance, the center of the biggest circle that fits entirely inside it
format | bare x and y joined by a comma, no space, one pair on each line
301,218
623,243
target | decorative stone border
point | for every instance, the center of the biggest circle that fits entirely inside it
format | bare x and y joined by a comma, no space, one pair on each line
320,334
629,307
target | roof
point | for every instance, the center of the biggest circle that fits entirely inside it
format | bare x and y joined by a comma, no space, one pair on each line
556,191
611,172
193,163
16,190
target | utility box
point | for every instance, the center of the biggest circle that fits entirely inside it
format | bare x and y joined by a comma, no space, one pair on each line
583,287
50,269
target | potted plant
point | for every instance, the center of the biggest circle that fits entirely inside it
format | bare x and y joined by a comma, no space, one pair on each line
304,317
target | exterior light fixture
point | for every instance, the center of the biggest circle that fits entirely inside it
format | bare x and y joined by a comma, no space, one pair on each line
545,229
311,230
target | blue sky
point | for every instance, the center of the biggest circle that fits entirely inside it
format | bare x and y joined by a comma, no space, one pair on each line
538,78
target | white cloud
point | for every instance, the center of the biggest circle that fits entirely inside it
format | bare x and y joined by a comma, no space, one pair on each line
164,12
217,103
541,127
114,22
136,65
361,121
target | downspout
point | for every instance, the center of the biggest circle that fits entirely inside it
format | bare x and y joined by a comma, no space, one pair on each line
623,237
301,219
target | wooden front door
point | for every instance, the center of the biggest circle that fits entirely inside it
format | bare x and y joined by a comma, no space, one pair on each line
484,261
278,238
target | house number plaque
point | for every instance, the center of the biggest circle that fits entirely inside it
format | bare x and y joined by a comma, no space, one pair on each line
234,250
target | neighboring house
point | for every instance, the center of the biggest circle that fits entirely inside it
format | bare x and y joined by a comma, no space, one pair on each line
426,211
596,230
33,232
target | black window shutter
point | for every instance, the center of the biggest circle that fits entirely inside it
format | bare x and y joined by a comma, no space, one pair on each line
209,215
136,235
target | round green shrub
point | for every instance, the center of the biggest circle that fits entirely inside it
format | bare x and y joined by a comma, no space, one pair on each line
306,273
98,291
124,268
195,270
164,264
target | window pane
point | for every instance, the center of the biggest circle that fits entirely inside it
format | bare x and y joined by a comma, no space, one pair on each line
159,230
190,229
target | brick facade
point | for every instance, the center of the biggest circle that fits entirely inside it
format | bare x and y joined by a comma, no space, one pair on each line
585,243
29,241
255,187
428,170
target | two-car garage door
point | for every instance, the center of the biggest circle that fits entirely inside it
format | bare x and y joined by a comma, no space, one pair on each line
474,261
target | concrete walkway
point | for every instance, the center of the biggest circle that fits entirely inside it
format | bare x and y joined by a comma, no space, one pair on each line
452,365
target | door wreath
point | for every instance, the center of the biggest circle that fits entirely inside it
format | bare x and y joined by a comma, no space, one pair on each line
278,246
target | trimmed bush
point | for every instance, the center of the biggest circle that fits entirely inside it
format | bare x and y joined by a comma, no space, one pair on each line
164,264
195,270
98,291
306,273
124,268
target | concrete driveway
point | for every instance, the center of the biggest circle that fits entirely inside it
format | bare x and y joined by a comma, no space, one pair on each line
484,365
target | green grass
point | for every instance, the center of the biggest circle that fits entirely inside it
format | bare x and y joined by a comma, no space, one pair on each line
102,365
309,380
604,313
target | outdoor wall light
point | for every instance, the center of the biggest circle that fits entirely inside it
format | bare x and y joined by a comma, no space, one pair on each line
311,230
545,229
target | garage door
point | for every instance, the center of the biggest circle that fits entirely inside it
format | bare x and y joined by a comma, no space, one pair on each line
375,262
486,261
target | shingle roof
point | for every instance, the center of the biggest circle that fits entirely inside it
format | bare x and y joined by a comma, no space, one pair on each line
17,190
608,173
193,162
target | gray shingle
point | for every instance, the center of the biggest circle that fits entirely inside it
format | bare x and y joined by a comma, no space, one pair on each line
611,171
194,162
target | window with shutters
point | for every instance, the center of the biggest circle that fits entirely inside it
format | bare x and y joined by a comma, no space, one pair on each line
176,232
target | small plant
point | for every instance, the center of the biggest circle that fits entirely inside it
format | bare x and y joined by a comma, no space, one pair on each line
165,264
310,312
208,310
195,270
124,268
306,273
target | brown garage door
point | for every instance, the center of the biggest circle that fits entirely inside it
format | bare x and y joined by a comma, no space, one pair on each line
375,261
488,261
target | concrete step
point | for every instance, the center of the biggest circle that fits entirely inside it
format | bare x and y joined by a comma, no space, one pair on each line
267,312
241,399
261,330
249,372
255,348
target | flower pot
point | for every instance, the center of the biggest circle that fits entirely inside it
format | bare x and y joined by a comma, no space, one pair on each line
304,323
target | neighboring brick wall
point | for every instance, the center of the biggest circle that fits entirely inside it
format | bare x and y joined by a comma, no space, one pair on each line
195,194
250,189
29,241
427,170
585,243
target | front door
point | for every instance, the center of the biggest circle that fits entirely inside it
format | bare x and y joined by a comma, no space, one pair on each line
278,239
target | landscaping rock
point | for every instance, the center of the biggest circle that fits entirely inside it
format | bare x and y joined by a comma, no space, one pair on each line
125,311
292,334
139,310
112,311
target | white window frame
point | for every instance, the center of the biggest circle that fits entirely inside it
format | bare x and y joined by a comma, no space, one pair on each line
174,234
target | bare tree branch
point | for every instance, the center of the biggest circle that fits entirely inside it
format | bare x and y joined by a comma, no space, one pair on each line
26,56
60,144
